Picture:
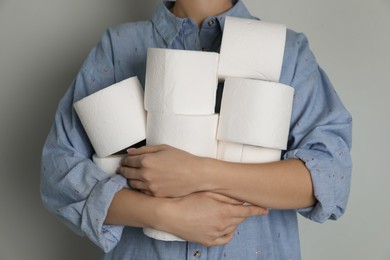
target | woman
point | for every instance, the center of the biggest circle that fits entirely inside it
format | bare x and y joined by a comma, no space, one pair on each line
198,199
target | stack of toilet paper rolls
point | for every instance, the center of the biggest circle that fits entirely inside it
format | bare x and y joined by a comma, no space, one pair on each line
179,102
114,119
180,94
256,109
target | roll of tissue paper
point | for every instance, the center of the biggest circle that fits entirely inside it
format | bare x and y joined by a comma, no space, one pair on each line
160,235
252,49
114,118
255,112
193,134
242,153
108,164
181,82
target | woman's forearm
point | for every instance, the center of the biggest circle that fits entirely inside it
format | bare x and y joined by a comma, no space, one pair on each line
135,209
203,217
279,185
165,171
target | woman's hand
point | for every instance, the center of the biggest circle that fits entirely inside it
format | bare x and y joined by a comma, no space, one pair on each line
161,171
206,218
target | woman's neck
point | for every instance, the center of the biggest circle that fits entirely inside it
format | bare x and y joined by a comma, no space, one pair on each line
199,10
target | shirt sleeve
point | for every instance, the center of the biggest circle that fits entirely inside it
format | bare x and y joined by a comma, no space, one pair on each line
320,133
72,186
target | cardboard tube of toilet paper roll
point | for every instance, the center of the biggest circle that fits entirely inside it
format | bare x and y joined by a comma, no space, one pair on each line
193,134
252,49
114,118
108,164
181,82
255,112
242,153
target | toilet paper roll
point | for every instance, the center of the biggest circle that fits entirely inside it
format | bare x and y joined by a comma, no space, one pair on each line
108,164
114,118
160,235
181,82
252,49
193,134
242,153
255,112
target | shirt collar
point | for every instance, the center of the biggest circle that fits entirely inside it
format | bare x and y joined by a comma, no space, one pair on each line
168,25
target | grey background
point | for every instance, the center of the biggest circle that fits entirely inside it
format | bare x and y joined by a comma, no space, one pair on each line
42,46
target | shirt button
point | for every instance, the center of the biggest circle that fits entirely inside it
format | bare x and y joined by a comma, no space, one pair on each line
211,23
197,254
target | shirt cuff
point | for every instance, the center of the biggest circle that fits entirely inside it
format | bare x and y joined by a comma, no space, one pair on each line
323,178
95,212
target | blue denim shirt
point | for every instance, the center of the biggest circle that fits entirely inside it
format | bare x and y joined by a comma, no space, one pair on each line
79,193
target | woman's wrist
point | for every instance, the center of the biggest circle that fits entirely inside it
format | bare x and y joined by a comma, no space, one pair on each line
164,214
123,211
208,174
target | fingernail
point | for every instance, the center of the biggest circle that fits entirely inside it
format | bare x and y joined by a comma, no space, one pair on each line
131,149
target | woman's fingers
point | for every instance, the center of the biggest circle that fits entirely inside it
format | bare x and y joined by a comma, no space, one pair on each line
147,149
245,211
130,173
223,198
134,161
219,241
241,211
139,185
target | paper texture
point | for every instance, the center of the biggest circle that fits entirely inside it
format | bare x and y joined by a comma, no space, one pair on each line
252,49
161,235
256,113
242,153
114,117
181,82
193,134
108,164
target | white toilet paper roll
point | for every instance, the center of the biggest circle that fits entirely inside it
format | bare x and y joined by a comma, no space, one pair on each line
181,82
114,118
252,49
160,235
255,112
193,134
108,164
242,153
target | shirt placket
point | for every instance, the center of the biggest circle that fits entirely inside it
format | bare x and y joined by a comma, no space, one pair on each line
191,35
196,252
210,35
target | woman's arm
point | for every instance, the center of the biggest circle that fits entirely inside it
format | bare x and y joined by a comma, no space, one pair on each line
284,184
317,164
165,171
206,218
